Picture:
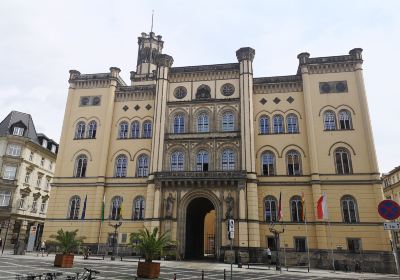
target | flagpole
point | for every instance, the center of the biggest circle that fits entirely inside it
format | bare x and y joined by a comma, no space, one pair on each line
331,238
308,243
101,223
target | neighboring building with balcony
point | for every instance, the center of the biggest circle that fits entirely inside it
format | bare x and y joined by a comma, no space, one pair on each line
183,145
391,184
27,161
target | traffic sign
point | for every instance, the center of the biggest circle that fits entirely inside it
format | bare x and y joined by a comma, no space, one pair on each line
231,235
389,209
391,226
231,225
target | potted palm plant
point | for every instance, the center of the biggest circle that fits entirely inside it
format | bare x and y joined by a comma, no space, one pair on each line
67,242
151,245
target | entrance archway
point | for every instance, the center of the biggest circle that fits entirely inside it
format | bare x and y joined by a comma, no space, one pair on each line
200,229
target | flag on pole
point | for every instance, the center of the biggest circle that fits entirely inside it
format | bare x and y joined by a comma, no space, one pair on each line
303,210
103,205
84,209
119,212
280,207
322,207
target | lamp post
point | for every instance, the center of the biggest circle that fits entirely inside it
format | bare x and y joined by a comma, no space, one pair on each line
115,225
277,245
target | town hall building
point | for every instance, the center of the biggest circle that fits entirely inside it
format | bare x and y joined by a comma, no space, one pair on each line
186,148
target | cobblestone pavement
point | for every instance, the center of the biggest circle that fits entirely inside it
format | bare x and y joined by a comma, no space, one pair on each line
10,266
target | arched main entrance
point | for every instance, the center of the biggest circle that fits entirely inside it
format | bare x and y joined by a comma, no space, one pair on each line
200,229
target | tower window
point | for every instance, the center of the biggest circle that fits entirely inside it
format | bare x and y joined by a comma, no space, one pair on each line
179,124
329,120
268,163
345,120
278,124
264,125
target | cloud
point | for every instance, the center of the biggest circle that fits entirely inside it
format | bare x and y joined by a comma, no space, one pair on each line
43,39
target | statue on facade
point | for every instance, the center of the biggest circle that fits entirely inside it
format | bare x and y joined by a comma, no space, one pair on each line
229,207
170,206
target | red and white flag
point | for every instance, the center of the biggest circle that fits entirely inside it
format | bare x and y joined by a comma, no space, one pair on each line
280,207
322,207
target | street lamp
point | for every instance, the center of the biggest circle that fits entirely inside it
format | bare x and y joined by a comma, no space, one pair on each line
115,225
277,245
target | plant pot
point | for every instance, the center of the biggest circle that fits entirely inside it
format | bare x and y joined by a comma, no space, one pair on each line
65,261
148,270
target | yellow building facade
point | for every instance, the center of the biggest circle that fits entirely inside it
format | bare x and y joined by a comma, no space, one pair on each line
179,143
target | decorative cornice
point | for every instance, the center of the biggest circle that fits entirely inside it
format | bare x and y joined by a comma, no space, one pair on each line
279,84
246,53
128,93
164,60
204,72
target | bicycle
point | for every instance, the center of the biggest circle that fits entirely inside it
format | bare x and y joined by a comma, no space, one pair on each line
86,275
42,276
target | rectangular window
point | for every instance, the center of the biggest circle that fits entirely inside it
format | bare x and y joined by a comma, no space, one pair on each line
42,161
43,207
14,150
19,131
47,187
34,206
124,237
354,245
9,172
39,181
5,197
28,176
300,244
51,165
44,143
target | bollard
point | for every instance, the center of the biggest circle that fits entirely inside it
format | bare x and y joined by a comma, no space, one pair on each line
202,275
224,274
174,276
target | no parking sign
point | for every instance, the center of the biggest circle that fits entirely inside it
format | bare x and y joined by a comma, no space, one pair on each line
389,209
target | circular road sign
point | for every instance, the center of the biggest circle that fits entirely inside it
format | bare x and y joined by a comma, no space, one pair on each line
389,209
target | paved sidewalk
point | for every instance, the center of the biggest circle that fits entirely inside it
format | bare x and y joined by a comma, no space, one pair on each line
10,265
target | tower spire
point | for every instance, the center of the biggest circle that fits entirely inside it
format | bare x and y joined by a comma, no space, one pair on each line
152,18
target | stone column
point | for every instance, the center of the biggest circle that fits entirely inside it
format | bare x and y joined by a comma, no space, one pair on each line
322,231
153,197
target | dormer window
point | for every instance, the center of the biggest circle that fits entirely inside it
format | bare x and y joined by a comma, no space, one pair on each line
19,131
44,143
53,148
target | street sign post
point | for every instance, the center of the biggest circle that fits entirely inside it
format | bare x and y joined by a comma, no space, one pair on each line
231,235
391,226
390,210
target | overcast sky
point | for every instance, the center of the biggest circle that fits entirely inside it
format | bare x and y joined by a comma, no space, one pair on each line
41,40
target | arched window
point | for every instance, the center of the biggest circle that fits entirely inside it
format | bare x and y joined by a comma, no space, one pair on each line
179,123
138,208
116,205
349,209
345,120
73,208
202,123
228,122
343,161
292,123
202,161
80,130
177,161
228,159
268,163
293,163
80,166
92,130
120,166
278,124
270,209
264,125
143,166
147,129
329,120
296,209
123,130
135,129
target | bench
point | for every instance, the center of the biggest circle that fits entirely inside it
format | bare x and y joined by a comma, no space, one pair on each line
130,257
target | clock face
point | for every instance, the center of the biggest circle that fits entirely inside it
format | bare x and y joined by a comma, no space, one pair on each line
180,92
227,89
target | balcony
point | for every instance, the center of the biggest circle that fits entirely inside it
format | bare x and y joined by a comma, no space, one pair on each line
200,178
